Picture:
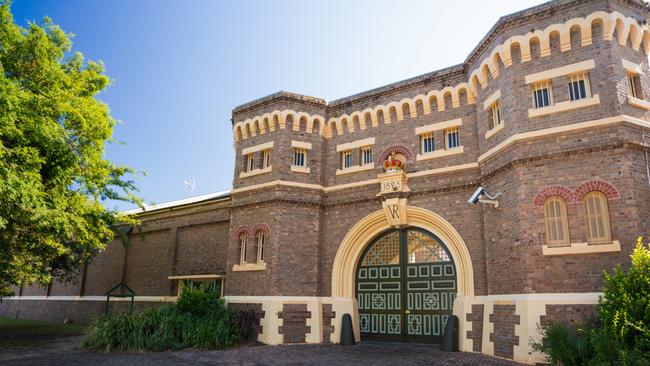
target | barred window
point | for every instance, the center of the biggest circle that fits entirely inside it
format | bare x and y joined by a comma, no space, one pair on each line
597,218
542,94
208,285
557,224
250,162
423,248
243,244
494,115
634,83
427,143
384,251
579,86
266,158
299,157
346,159
366,155
261,239
452,138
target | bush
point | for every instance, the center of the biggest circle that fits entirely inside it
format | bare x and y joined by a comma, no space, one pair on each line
198,319
622,334
624,308
248,321
564,346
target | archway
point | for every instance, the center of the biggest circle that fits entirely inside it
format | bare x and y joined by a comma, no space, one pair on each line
405,287
360,235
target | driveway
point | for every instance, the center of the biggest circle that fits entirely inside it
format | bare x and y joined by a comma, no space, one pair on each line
366,353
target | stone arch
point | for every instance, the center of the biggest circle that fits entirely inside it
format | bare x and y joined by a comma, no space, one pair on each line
425,105
238,133
395,109
360,235
596,185
556,190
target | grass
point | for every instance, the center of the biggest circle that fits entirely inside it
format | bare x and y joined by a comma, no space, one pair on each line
21,333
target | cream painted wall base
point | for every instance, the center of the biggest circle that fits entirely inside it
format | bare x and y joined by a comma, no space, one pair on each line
529,307
272,306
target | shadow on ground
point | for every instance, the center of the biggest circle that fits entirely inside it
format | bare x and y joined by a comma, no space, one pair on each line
40,343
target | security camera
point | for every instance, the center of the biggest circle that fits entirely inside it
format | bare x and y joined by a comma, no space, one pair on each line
481,196
476,196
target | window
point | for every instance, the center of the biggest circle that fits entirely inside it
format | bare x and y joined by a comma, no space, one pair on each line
634,83
579,86
261,238
299,157
597,218
366,155
346,159
266,158
243,244
451,138
250,162
212,285
557,224
494,115
542,95
426,142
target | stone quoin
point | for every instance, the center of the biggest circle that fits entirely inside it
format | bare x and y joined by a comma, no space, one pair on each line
360,205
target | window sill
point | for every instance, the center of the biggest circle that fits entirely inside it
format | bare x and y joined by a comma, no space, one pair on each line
440,153
300,169
255,172
639,103
563,106
354,169
493,131
582,248
249,267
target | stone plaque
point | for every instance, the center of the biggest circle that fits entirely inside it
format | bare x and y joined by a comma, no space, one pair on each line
395,211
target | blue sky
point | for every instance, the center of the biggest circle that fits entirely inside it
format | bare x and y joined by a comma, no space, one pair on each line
179,67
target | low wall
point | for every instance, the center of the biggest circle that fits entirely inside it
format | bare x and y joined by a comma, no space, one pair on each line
504,325
78,309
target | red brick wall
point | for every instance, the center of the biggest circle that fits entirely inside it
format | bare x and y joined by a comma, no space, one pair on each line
294,326
476,334
504,337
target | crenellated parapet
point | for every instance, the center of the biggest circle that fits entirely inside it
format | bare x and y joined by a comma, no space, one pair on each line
628,31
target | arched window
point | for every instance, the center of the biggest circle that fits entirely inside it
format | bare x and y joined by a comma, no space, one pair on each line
597,218
261,240
243,244
557,224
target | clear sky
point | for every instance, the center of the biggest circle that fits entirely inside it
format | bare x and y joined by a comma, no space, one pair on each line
180,67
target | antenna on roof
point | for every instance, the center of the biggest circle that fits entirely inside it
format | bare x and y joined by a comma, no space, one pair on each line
189,185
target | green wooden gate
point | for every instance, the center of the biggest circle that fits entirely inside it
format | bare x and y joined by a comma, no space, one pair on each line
406,285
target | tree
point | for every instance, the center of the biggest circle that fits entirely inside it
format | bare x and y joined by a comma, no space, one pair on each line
53,175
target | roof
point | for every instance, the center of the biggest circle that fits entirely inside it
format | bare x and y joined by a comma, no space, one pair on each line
178,203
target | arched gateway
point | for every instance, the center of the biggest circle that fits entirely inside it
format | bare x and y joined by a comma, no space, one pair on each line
425,248
405,287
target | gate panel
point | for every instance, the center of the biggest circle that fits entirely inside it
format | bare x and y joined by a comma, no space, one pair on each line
406,285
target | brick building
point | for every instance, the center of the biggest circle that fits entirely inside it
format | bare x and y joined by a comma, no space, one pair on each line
360,205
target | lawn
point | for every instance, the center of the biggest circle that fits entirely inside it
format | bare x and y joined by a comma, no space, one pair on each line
22,333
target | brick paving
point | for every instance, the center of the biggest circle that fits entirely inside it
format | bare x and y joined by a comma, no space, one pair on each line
366,353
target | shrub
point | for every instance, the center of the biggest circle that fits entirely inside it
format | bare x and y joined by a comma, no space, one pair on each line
624,308
622,334
248,321
198,319
565,346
